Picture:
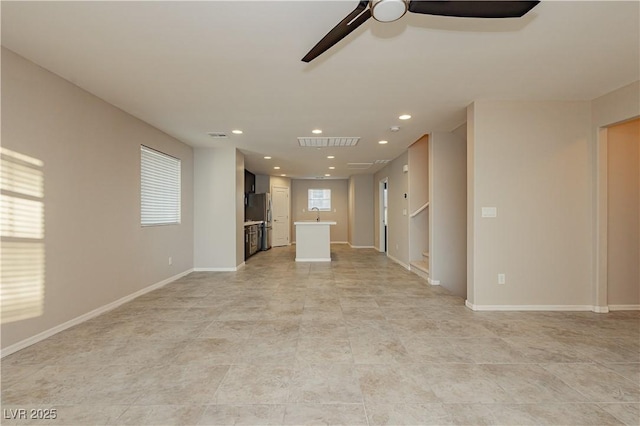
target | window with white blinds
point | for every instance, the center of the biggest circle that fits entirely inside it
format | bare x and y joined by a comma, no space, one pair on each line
320,198
159,188
22,272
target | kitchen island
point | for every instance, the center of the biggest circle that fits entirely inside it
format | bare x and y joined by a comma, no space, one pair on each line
313,241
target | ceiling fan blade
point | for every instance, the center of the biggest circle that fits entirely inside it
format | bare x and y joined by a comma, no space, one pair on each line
353,20
473,9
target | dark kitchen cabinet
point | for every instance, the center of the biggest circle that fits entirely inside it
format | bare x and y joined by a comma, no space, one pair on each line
252,233
249,182
247,246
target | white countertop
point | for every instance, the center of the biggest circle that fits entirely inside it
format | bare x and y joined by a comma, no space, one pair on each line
313,222
253,222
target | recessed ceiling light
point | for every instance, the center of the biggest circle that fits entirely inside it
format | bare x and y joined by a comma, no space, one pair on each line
331,168
316,131
330,157
404,117
277,167
283,175
266,157
327,174
236,132
383,142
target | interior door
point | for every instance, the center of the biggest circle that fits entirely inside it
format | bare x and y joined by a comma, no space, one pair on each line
281,225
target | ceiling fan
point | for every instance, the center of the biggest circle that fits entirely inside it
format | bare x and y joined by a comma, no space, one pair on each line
391,10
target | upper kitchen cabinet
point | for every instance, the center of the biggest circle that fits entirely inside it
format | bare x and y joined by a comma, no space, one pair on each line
249,182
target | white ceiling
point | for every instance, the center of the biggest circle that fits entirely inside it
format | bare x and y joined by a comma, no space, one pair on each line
189,68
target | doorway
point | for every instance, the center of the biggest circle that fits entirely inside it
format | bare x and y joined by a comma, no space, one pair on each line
618,213
623,213
384,203
281,225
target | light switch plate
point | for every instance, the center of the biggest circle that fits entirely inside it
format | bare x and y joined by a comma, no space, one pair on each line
489,212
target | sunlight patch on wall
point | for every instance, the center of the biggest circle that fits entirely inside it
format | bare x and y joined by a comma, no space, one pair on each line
22,273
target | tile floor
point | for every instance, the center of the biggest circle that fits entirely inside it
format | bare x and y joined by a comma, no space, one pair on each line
360,341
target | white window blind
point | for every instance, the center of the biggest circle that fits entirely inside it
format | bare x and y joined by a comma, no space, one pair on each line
22,272
159,188
320,198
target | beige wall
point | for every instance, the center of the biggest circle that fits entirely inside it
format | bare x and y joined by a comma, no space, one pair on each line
623,143
448,211
531,160
262,184
96,250
398,226
418,160
283,182
418,176
361,208
339,205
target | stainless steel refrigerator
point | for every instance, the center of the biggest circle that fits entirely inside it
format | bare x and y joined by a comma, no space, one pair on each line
259,208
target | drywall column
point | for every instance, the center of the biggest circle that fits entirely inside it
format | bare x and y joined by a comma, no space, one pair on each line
239,204
361,209
217,224
531,161
471,240
448,211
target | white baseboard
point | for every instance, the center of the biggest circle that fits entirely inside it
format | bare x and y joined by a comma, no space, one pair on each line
433,282
475,307
318,259
87,316
624,307
419,272
360,247
600,309
330,242
229,269
404,265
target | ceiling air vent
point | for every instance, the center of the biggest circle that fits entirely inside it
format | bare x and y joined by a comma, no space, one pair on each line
320,142
381,161
358,166
218,135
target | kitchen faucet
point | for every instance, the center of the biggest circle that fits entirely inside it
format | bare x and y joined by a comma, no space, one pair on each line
318,210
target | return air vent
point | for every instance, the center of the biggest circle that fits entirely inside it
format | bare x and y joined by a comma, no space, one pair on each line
218,135
359,166
320,142
381,161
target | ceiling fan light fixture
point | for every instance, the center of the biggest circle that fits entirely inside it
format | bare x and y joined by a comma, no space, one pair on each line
388,10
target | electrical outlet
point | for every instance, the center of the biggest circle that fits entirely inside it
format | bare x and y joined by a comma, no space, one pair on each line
502,279
170,260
